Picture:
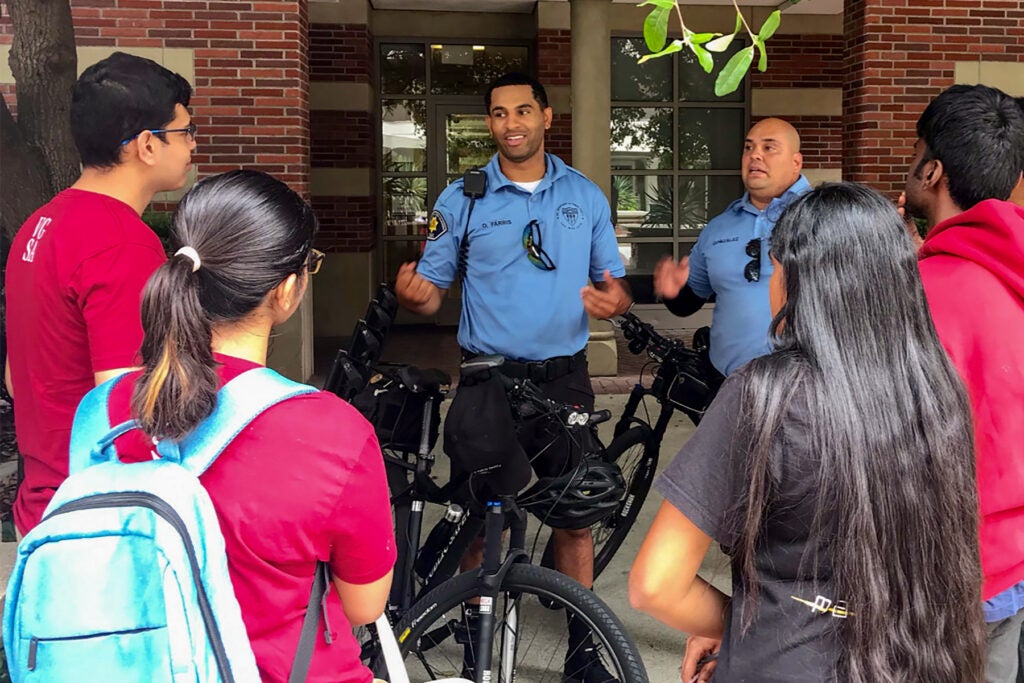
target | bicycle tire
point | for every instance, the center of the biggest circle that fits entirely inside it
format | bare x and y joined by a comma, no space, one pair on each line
428,633
638,465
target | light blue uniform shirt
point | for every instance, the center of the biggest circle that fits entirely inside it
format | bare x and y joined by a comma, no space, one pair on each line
509,306
742,315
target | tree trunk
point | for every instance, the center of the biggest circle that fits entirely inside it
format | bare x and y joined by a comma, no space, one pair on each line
37,154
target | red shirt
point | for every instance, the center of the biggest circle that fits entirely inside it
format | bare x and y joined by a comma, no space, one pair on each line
74,283
972,267
303,482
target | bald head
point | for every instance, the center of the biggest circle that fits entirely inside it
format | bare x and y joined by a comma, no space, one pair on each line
771,160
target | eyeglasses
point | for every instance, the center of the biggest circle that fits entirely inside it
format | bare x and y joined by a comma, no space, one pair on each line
190,131
315,260
752,271
534,252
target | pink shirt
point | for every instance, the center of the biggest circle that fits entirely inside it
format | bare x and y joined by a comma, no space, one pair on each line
303,482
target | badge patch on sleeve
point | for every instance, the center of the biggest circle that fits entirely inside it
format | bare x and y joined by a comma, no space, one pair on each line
437,226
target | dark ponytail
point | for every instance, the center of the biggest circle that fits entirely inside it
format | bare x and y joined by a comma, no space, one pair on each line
249,232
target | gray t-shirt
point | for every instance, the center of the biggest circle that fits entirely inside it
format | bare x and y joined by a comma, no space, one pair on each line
789,641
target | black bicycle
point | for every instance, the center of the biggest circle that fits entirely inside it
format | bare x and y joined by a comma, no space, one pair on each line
679,382
507,620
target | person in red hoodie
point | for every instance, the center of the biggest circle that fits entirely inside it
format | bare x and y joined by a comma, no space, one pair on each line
967,160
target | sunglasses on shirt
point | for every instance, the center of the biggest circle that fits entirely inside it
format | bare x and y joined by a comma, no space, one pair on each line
752,271
532,244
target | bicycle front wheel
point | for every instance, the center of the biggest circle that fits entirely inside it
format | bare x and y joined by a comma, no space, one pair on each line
530,643
638,463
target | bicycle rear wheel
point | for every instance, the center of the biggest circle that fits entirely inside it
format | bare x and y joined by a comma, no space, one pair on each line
530,643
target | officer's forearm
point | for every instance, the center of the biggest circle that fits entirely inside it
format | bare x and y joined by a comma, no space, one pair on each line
686,303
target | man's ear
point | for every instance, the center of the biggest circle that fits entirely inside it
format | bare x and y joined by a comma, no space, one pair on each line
548,114
144,148
798,161
935,173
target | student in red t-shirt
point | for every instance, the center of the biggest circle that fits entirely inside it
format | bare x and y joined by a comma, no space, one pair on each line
305,481
77,266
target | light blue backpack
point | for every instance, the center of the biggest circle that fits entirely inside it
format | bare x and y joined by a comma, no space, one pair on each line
126,577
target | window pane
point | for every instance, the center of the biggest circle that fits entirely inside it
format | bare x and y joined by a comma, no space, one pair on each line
697,86
701,198
643,205
403,135
468,143
398,252
710,138
650,81
403,70
641,138
469,69
405,205
640,260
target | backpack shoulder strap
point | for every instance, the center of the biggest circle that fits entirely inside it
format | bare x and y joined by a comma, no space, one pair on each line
239,402
91,425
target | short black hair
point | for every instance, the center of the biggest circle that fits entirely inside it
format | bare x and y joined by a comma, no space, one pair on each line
977,132
516,78
118,98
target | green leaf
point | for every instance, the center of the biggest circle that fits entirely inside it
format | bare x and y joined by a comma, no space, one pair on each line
762,63
729,77
656,29
739,23
721,44
770,25
674,46
701,38
662,4
704,57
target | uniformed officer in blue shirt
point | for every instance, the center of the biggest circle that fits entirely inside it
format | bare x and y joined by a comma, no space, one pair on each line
525,251
731,257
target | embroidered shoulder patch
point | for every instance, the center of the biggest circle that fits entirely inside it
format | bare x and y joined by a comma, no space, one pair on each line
437,226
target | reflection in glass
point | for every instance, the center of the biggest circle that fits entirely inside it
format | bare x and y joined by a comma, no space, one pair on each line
468,143
403,135
403,69
469,69
710,138
701,198
650,81
697,86
641,137
405,205
640,259
397,252
643,205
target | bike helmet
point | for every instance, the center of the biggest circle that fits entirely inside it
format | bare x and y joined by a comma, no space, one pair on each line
580,498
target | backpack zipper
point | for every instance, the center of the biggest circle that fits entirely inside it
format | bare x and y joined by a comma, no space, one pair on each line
33,643
171,516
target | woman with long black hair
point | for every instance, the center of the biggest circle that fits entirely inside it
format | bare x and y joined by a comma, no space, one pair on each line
837,473
304,481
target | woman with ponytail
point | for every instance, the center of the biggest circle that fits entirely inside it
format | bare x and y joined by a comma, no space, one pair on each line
305,480
837,473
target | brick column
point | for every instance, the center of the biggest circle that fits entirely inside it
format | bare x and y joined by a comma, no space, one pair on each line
898,56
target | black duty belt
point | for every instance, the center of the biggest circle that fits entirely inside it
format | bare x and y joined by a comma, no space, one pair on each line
541,370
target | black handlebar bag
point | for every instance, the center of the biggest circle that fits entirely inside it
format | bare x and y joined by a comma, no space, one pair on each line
480,438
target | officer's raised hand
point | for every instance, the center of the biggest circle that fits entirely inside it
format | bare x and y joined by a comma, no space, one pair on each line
670,277
415,292
607,298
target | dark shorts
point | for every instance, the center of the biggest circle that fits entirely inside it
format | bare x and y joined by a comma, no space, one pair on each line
496,451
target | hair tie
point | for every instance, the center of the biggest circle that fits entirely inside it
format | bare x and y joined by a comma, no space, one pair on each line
192,254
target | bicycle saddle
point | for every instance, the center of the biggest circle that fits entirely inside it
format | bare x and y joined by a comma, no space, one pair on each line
423,381
479,364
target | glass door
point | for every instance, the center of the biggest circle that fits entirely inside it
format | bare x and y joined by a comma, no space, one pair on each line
461,142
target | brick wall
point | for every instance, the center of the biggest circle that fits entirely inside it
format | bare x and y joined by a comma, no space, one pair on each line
554,68
340,53
251,82
898,58
808,61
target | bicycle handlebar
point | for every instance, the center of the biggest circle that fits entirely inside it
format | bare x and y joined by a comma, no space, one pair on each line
532,401
643,337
